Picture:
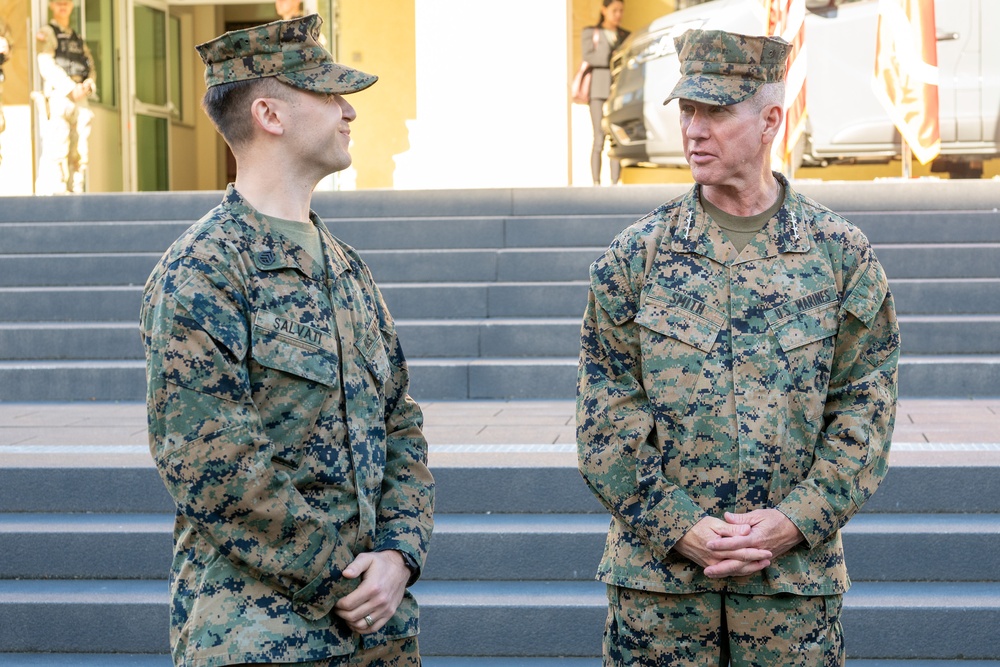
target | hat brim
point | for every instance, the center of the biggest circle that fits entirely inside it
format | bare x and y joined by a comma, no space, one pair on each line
714,89
328,78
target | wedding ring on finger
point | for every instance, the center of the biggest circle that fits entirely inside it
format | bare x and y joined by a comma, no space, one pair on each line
369,621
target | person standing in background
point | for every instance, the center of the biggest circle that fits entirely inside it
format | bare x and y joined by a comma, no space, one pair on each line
597,43
289,9
67,71
4,55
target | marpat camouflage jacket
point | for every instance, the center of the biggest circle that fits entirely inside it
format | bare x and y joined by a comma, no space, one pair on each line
280,423
711,383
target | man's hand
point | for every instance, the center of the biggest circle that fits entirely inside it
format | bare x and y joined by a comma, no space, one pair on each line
718,562
383,580
768,529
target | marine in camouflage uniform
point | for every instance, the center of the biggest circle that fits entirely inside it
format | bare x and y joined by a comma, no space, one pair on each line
735,404
279,414
67,70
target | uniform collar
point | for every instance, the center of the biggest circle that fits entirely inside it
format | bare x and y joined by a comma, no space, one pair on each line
271,251
695,232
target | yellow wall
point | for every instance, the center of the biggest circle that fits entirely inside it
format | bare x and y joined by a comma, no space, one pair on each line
15,87
377,36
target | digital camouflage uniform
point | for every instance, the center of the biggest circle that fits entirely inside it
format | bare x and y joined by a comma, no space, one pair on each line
713,382
63,62
280,422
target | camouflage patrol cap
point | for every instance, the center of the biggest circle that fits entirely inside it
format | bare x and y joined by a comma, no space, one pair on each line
287,50
723,68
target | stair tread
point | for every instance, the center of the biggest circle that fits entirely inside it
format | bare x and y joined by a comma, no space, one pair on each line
863,595
548,523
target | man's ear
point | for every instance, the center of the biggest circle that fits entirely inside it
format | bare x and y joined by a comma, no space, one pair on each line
268,114
772,115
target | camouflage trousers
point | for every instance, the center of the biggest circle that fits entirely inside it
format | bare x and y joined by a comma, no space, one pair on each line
395,653
649,629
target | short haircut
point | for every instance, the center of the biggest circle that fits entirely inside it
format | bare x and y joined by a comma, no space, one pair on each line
228,106
768,94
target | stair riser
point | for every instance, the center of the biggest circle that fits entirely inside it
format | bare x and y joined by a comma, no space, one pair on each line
472,231
905,633
471,340
476,490
569,264
458,380
496,556
416,301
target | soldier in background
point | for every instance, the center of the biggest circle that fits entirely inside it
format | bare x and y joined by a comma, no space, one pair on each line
67,71
5,49
277,391
737,391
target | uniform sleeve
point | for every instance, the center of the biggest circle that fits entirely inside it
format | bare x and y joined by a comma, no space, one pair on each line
617,448
57,82
852,455
209,445
405,513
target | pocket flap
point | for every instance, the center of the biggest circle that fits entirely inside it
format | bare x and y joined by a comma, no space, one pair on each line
804,327
680,323
292,347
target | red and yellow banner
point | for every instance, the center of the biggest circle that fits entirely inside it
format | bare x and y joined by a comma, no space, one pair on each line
906,73
786,19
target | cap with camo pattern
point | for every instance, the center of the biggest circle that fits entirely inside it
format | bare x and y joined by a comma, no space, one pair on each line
287,50
724,68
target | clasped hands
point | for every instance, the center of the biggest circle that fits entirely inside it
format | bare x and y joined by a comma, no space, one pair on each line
739,545
383,581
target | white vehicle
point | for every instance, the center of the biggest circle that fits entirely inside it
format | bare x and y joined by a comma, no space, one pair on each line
846,123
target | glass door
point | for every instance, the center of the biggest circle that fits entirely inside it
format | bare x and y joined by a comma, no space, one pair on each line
147,154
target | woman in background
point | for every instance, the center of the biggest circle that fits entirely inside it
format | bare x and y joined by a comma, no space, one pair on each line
598,42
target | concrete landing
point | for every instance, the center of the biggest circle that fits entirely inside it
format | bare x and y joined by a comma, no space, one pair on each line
467,433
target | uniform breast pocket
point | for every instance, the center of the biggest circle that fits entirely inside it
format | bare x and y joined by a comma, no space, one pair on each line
293,348
806,340
805,327
294,371
675,344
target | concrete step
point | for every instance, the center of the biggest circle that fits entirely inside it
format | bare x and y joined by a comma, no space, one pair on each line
529,547
950,334
473,265
946,296
463,338
405,300
473,231
882,620
457,378
973,296
969,226
50,270
163,660
848,198
949,375
939,260
406,266
459,232
91,483
431,379
478,338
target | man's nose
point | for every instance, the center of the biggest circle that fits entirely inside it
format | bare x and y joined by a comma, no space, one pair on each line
697,125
